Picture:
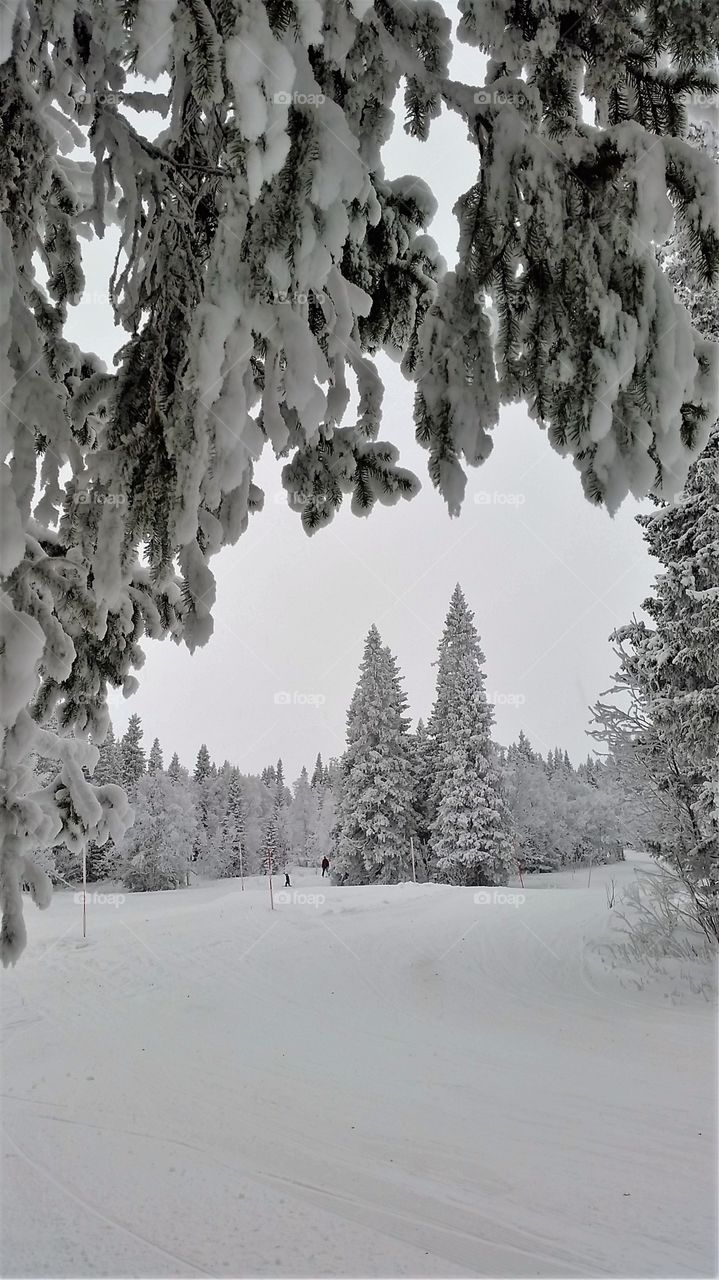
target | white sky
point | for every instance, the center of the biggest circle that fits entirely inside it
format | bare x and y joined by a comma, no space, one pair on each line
547,575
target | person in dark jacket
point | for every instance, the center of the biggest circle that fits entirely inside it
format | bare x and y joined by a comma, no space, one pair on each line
325,866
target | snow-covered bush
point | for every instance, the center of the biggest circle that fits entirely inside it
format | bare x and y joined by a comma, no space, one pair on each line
658,919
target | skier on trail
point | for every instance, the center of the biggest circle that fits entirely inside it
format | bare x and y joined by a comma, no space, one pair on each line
287,880
325,866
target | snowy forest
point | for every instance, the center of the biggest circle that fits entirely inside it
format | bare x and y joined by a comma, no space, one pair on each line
264,260
471,812
434,992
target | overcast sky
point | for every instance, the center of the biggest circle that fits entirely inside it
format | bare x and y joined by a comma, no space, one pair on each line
547,575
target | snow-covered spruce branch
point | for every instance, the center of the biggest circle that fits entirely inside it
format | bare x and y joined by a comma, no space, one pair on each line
265,257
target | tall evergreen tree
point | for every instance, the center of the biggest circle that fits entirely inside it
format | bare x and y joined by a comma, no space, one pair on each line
284,795
302,819
175,770
333,772
234,827
374,814
318,773
663,733
131,754
107,768
155,853
323,834
269,776
469,838
203,765
422,770
538,820
154,760
663,730
102,860
271,849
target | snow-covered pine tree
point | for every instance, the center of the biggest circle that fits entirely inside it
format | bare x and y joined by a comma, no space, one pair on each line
302,820
101,858
269,776
322,836
374,815
662,722
176,771
282,833
469,829
107,768
131,754
276,116
203,765
333,773
213,856
562,816
422,774
259,804
234,826
594,817
522,749
318,773
663,732
54,860
272,848
156,851
154,760
538,825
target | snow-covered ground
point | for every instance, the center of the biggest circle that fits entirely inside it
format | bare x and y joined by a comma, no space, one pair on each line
394,1081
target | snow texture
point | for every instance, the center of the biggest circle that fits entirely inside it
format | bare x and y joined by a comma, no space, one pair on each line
399,1081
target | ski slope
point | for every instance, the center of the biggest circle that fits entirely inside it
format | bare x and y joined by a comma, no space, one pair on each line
393,1082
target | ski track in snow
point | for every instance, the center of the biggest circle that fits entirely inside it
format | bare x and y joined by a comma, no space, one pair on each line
400,1081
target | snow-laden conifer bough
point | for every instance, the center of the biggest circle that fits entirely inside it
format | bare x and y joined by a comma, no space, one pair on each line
264,258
